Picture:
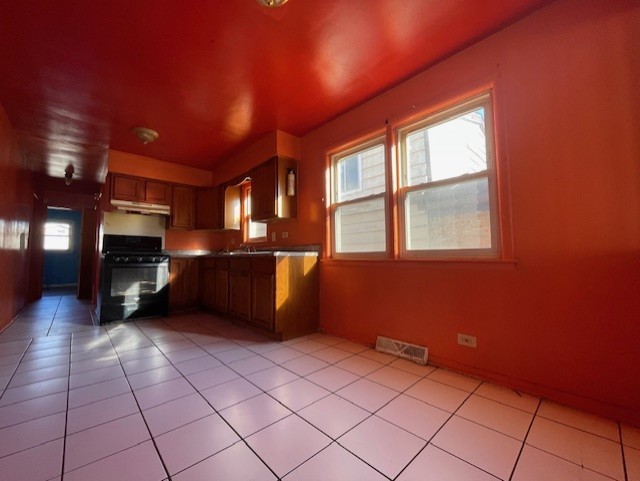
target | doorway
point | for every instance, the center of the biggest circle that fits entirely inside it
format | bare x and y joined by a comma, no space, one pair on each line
62,246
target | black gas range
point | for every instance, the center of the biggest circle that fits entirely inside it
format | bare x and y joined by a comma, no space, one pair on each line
134,280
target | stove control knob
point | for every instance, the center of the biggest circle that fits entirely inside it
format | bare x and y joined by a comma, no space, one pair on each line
116,259
139,259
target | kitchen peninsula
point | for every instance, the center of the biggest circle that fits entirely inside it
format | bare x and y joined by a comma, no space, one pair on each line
274,291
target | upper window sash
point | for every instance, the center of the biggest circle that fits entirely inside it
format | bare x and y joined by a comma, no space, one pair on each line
449,144
359,172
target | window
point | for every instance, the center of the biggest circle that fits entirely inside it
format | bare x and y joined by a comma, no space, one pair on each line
253,230
57,236
447,192
359,199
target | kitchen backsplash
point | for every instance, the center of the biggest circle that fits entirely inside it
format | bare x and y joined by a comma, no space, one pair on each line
134,224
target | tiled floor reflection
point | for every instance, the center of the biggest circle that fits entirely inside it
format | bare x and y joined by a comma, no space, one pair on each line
195,397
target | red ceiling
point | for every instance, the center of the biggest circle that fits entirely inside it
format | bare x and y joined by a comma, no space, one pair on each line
211,76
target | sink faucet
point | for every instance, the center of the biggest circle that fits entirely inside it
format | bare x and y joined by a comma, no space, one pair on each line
245,247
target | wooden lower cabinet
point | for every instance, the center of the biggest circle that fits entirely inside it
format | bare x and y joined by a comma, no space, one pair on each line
183,276
221,301
263,299
240,287
208,282
276,293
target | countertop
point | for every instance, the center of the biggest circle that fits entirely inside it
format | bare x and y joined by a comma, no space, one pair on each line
274,253
292,252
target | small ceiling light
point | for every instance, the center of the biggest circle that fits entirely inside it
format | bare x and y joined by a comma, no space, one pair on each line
145,134
68,175
272,3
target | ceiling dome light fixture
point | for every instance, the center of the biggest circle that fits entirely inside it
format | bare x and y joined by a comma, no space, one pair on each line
271,3
145,134
68,174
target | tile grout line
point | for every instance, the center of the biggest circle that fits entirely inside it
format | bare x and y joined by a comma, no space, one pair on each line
66,414
164,466
537,415
286,407
470,393
296,413
15,370
244,346
371,414
624,458
240,437
335,393
53,318
524,441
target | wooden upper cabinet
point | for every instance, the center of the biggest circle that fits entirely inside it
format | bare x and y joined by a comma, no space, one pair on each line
183,207
269,199
157,192
127,188
140,190
209,209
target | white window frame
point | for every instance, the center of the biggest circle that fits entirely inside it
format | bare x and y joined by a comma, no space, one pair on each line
335,205
69,237
484,100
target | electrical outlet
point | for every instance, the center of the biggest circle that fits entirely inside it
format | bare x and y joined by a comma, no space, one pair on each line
467,340
285,235
273,237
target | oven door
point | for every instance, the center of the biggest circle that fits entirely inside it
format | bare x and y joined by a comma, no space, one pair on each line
133,290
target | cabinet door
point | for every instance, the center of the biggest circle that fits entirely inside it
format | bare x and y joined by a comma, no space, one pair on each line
207,283
176,283
269,199
264,191
182,208
208,214
127,188
157,192
191,282
244,295
240,287
222,290
263,297
233,293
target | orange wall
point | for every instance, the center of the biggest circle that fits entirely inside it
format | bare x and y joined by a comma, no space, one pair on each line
16,200
564,320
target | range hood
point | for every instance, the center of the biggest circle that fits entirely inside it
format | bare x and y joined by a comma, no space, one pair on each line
141,207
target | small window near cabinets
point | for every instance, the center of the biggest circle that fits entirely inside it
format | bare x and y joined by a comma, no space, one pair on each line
253,231
57,236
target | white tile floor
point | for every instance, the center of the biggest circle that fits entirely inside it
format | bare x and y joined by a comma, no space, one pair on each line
195,397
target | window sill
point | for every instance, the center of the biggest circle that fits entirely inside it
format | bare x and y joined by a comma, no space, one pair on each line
475,263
